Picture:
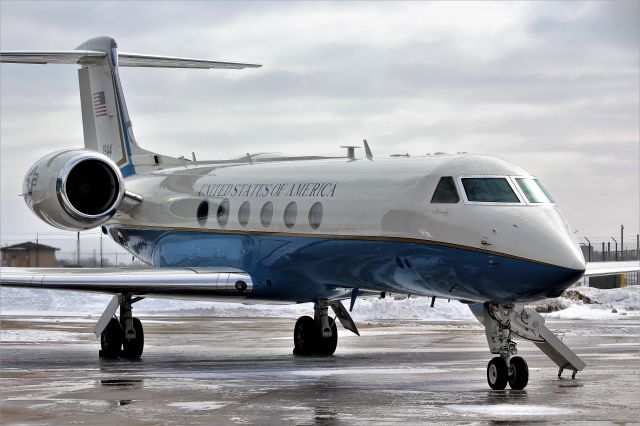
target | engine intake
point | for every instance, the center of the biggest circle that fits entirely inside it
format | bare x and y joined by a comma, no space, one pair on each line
74,189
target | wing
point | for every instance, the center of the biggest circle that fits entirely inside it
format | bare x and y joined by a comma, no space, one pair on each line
168,282
599,269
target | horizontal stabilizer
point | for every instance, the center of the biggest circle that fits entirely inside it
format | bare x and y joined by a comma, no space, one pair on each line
124,59
51,56
138,60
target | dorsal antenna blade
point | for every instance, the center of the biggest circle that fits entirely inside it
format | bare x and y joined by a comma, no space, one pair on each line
367,150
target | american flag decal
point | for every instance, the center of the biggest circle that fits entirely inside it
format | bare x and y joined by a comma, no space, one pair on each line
99,104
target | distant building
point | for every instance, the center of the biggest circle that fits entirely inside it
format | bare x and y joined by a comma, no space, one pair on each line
29,255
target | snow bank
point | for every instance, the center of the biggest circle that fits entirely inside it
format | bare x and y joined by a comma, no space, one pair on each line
594,303
602,304
15,301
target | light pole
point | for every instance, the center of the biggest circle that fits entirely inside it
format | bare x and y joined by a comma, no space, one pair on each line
614,240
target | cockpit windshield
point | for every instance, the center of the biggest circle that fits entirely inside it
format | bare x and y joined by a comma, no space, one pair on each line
445,191
534,191
489,190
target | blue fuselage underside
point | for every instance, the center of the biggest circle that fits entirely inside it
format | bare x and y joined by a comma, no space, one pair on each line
303,269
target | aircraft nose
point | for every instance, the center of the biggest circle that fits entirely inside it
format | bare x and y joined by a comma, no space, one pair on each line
563,244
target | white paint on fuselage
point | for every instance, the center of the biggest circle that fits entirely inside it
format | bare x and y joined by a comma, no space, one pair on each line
383,198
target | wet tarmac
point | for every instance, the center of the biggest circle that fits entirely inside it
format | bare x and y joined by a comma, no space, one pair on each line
242,371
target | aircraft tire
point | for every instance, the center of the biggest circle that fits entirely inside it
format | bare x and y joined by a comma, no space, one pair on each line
497,373
305,334
520,373
133,349
111,339
326,346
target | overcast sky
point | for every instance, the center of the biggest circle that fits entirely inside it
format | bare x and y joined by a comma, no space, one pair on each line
550,86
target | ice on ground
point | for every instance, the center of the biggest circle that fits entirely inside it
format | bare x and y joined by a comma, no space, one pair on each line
26,335
509,410
198,405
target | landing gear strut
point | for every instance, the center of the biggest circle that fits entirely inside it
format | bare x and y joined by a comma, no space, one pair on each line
124,337
318,335
504,368
501,321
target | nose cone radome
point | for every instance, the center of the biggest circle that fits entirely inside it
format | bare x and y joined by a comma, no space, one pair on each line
563,251
551,242
570,255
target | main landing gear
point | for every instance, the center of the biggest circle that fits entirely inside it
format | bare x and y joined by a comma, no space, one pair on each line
501,321
122,337
319,335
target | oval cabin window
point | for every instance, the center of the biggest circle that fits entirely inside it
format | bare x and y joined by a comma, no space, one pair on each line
223,213
290,214
266,214
243,213
315,215
203,213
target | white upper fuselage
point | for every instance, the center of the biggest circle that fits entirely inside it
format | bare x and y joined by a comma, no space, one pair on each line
380,198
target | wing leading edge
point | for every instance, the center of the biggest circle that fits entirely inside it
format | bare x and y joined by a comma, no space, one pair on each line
168,282
600,269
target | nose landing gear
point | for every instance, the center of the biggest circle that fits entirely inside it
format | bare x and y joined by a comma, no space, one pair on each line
516,373
500,322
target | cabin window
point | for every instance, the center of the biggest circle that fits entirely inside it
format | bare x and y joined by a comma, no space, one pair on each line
315,215
202,214
534,191
489,190
266,214
223,213
243,213
290,214
446,191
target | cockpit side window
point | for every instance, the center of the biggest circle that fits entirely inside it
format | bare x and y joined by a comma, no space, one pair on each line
489,190
534,191
446,191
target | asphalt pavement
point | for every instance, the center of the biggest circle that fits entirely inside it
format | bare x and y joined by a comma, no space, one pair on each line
242,371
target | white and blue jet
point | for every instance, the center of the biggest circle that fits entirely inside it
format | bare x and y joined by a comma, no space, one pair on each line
269,228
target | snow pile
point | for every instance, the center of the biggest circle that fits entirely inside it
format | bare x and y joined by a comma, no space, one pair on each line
580,303
594,303
15,301
365,309
416,308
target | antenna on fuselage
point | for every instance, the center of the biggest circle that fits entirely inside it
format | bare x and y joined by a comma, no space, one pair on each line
367,150
351,151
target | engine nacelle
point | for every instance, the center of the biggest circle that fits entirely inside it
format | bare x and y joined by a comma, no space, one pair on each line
74,189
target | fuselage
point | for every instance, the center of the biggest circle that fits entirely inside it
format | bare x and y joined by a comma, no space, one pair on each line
307,230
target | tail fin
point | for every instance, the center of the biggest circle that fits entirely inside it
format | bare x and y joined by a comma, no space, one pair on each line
105,119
